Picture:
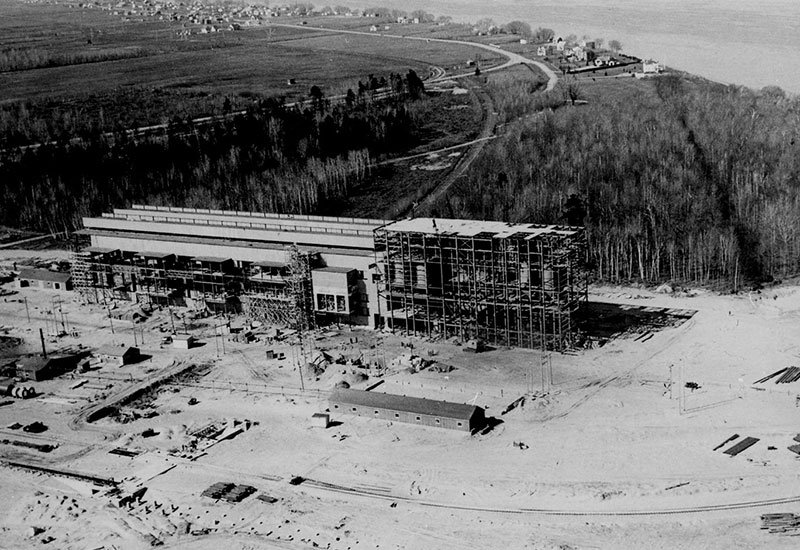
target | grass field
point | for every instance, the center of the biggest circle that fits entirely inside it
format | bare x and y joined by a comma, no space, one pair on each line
255,60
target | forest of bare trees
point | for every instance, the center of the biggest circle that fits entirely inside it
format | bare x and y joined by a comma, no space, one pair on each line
677,180
273,159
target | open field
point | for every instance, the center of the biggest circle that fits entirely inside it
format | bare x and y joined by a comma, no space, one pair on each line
614,451
255,60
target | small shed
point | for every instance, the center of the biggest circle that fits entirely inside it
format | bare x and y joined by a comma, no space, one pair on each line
183,341
412,410
44,279
321,420
118,355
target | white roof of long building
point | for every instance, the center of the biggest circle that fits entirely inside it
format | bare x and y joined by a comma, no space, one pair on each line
471,228
322,231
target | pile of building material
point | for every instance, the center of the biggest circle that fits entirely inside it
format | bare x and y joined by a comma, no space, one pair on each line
741,446
412,363
229,492
795,448
18,391
785,376
780,523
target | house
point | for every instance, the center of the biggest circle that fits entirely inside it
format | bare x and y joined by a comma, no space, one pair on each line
44,279
373,28
579,53
605,60
118,355
183,341
560,44
650,66
588,44
411,410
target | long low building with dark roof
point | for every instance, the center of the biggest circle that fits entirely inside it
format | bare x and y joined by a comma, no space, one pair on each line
412,410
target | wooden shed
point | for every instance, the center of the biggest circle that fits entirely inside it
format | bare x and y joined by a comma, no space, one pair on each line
412,410
44,279
118,355
183,341
43,368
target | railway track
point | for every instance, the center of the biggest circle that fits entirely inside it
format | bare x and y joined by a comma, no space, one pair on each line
381,495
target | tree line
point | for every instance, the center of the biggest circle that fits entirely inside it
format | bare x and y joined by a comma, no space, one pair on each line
21,59
677,180
272,158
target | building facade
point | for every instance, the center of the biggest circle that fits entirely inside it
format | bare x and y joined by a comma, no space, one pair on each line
410,410
507,284
267,265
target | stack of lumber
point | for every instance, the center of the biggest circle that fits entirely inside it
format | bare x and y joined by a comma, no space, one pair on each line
229,491
743,445
780,523
785,376
218,490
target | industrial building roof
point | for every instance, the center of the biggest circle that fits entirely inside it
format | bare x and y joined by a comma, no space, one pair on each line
346,251
472,228
44,275
334,269
99,249
211,259
117,351
153,254
429,407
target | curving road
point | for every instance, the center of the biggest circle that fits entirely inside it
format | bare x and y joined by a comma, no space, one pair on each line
511,57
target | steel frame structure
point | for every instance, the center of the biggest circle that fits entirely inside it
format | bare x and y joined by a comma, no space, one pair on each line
507,289
285,300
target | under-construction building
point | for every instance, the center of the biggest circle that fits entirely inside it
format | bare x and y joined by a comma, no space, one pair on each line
289,270
506,284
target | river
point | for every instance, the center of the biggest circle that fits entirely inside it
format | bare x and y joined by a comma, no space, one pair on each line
754,43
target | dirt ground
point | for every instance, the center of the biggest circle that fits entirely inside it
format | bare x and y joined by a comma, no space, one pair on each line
611,450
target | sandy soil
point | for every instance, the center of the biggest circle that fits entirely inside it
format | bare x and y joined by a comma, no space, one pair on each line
614,452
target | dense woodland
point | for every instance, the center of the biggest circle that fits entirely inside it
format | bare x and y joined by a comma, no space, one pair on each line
675,180
273,158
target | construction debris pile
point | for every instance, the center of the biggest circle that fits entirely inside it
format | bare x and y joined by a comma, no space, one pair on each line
229,492
795,448
780,523
786,376
739,447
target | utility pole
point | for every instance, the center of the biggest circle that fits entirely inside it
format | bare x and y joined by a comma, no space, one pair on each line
172,319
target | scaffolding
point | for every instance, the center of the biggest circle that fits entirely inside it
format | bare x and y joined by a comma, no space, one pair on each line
282,297
285,298
516,285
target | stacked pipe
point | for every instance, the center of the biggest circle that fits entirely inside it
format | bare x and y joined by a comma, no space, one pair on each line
20,392
787,375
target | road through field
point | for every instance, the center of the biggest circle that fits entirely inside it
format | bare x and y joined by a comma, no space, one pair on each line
511,57
490,116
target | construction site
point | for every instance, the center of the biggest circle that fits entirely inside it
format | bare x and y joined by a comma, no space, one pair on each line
506,284
202,379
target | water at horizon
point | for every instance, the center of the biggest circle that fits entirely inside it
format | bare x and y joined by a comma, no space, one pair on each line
754,44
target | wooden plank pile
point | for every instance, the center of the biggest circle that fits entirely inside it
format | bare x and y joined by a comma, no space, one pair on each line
229,492
786,375
780,523
743,445
795,448
721,445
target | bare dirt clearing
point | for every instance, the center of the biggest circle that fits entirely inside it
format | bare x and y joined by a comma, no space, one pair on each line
608,454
